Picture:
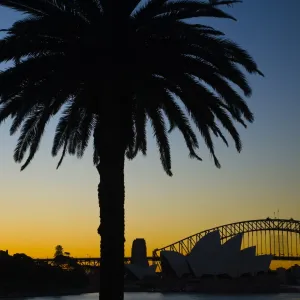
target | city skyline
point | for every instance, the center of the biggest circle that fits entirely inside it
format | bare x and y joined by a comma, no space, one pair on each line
41,206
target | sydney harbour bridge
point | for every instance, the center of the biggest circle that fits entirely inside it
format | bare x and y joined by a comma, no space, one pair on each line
279,237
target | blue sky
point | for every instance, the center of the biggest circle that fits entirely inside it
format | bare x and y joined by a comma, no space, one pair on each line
42,206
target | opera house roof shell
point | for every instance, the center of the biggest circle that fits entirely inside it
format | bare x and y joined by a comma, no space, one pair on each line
210,257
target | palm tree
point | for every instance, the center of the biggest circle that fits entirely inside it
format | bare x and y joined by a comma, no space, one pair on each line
108,67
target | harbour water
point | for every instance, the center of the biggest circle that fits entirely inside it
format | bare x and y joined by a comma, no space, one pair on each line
158,296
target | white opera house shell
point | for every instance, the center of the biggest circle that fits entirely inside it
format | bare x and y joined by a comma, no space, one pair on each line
210,257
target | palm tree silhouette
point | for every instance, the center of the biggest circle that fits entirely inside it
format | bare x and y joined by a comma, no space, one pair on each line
110,67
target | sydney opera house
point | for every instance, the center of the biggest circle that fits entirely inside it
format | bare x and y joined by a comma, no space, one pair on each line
208,257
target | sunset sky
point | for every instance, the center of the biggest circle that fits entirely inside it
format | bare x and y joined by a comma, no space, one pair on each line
42,207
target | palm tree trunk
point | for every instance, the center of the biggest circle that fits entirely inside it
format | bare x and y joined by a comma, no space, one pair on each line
111,195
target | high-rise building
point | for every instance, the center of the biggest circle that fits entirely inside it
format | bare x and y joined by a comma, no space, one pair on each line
139,253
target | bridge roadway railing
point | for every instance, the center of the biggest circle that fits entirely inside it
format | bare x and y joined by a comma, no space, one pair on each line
93,262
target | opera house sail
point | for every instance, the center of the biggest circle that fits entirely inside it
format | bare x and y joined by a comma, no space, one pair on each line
210,257
174,264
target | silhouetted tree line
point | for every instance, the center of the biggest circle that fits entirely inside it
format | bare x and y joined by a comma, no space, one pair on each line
22,275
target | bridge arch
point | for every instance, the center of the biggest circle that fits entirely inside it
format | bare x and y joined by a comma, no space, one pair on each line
279,237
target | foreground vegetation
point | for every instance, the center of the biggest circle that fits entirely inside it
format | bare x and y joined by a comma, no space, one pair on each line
20,275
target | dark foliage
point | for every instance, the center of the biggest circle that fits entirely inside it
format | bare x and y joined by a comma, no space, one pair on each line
70,54
21,275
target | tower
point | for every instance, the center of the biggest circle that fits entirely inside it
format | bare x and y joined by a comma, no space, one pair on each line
139,253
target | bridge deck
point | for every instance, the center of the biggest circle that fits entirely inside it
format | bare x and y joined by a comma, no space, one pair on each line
92,260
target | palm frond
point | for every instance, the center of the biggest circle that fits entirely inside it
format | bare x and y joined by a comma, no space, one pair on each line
149,9
224,2
199,111
160,133
7,109
96,158
21,115
32,7
33,70
64,128
91,10
177,117
87,127
34,142
225,120
178,10
31,134
130,153
140,117
42,8
81,132
178,74
132,5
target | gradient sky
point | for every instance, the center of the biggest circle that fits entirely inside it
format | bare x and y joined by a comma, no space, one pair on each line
42,207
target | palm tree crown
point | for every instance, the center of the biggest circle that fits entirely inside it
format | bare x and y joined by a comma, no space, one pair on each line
67,54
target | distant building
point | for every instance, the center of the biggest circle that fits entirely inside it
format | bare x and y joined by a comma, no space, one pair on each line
210,257
139,267
139,253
